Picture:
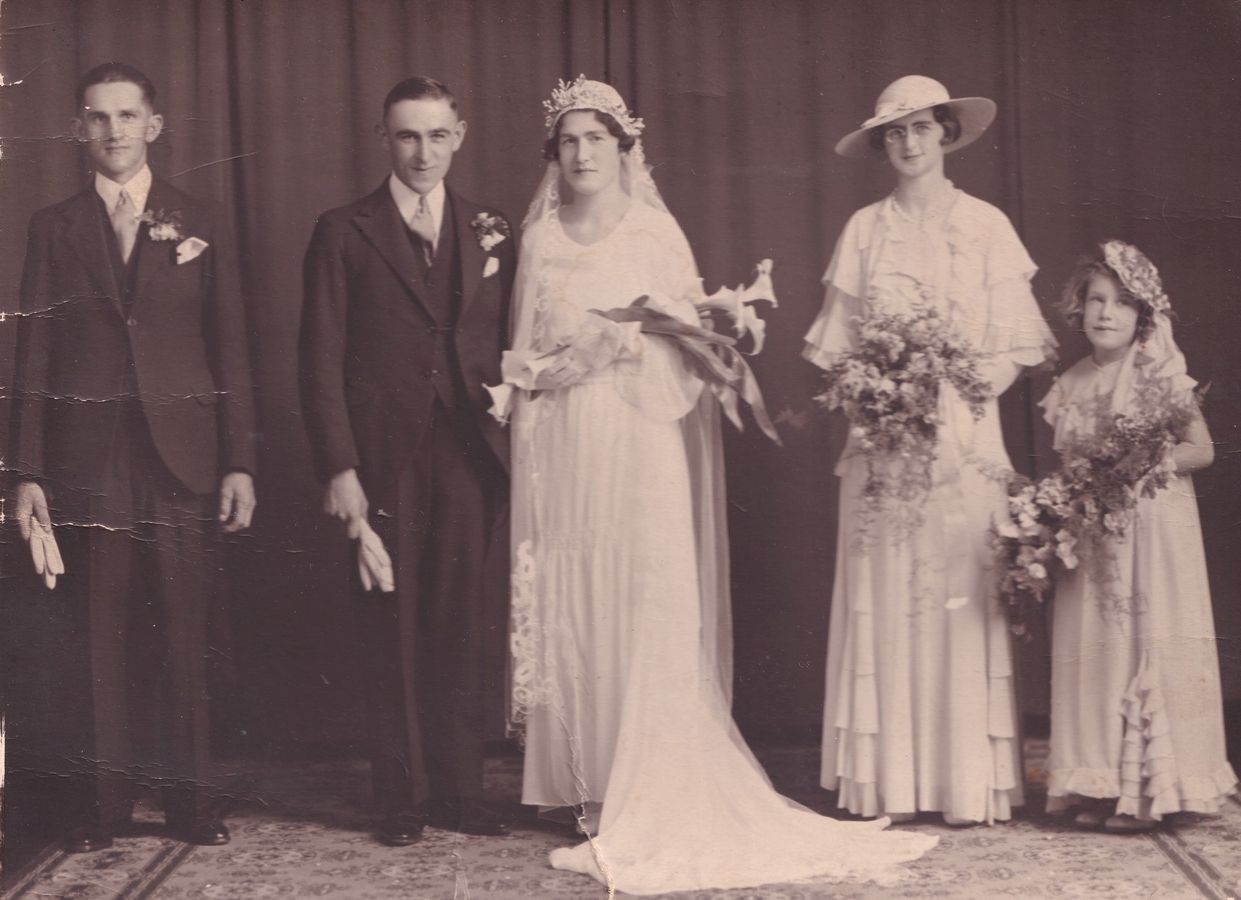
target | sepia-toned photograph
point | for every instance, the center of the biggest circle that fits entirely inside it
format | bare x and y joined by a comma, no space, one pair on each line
556,449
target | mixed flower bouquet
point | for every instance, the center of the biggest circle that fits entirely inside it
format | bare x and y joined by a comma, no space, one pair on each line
1071,512
889,388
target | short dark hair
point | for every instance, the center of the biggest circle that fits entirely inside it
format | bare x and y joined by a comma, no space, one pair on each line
111,72
943,115
1072,303
551,147
419,87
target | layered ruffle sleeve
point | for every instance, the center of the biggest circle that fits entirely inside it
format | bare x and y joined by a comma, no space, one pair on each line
835,329
1014,326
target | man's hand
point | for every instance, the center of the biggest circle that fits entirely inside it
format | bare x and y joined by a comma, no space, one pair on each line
374,563
345,499
36,529
236,500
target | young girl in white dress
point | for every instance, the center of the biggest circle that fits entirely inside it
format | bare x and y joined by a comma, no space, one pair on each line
1137,727
621,648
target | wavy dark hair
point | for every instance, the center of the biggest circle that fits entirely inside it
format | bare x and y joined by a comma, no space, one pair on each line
419,87
943,115
1072,303
551,147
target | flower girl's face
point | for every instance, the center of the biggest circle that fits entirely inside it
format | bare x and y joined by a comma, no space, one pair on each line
589,154
1109,318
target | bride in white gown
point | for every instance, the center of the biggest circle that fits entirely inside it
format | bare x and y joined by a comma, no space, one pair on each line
621,642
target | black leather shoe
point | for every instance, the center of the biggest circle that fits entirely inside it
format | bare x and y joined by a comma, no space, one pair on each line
401,828
88,839
203,832
465,816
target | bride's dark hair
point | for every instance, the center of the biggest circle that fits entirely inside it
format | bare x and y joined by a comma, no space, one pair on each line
551,147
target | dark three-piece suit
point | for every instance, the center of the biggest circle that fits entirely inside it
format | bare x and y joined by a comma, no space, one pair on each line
133,399
395,349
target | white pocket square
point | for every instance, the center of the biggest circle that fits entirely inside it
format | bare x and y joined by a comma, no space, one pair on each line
190,248
492,266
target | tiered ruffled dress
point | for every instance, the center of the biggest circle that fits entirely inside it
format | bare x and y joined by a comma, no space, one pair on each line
1136,709
920,711
621,591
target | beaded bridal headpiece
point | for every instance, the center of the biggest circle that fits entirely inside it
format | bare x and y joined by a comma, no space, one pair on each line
583,94
1137,273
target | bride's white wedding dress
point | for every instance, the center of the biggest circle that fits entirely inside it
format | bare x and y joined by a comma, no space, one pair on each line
620,590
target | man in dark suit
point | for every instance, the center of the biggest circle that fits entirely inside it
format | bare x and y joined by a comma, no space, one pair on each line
405,320
134,405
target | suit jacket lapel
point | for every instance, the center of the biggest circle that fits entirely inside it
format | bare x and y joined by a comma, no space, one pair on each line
472,256
380,221
85,234
155,256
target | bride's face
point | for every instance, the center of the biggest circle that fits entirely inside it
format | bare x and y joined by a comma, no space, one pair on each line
589,154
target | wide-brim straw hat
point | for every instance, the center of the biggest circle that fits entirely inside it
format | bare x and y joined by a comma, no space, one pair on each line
909,95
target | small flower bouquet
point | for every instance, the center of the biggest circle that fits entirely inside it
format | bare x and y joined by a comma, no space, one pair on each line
889,388
1073,511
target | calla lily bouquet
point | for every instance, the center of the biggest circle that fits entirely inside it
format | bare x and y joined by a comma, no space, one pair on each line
737,305
714,355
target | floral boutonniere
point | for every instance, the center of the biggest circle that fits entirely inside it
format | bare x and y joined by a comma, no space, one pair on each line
490,230
165,226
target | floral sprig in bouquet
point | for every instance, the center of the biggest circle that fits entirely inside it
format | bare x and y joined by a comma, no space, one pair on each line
1029,543
889,388
1073,511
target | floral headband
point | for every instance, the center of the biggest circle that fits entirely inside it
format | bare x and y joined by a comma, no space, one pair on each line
583,94
1137,273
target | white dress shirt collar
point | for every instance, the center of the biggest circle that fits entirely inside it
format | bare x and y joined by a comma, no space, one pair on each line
138,188
407,201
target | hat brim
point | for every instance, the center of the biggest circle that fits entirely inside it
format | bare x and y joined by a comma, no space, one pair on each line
974,113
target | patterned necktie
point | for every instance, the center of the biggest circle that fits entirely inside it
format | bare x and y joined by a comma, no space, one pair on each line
424,226
125,224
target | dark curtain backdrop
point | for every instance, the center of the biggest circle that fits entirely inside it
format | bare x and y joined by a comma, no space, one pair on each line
1117,118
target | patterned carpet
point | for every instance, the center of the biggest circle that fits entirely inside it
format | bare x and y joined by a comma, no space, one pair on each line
302,830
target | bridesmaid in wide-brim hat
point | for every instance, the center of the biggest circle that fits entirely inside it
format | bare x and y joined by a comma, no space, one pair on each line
920,712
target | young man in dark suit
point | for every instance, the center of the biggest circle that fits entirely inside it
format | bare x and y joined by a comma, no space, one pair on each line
134,432
405,319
